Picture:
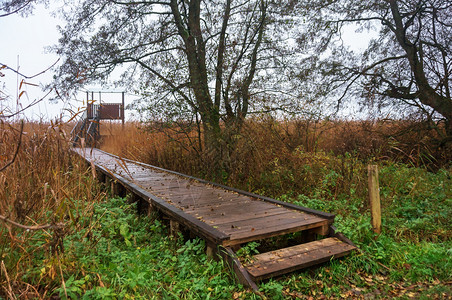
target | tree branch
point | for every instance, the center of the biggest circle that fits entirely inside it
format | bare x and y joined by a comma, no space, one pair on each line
17,149
36,227
4,66
15,11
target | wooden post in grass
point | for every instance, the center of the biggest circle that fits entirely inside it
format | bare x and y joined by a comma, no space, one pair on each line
374,197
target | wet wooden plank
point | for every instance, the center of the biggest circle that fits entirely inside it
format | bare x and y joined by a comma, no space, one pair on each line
225,207
295,250
262,233
208,201
297,257
267,222
217,217
202,229
221,218
326,215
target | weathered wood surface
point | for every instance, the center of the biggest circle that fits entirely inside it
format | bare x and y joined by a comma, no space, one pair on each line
219,214
285,260
374,198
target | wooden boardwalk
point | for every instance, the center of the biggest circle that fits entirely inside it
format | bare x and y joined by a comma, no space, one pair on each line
227,218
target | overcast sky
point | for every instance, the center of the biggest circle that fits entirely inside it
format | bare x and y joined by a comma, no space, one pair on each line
24,40
27,39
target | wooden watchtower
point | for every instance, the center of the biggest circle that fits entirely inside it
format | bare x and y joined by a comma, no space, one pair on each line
88,126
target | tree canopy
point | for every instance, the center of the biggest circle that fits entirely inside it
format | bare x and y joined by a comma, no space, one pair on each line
216,59
408,65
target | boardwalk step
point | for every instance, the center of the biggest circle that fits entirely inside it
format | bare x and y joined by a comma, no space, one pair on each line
287,260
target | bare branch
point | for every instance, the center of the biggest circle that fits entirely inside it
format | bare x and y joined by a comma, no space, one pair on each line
16,10
31,228
17,149
25,76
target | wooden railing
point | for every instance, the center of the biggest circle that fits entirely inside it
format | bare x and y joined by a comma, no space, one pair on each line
105,111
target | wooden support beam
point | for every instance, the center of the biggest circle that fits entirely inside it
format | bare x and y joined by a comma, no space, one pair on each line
174,228
132,198
241,273
150,209
101,176
211,250
308,236
374,198
114,187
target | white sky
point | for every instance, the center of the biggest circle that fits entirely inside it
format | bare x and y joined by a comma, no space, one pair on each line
28,37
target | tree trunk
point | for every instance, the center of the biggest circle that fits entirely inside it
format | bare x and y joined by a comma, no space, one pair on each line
426,93
213,150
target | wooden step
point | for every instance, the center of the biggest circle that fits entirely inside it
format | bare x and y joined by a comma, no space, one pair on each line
289,259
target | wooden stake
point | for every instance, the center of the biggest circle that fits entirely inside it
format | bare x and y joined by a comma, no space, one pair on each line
374,197
210,250
174,228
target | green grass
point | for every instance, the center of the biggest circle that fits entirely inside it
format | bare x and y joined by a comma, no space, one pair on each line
412,256
120,254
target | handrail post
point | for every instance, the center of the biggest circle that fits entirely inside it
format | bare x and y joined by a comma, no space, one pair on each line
122,109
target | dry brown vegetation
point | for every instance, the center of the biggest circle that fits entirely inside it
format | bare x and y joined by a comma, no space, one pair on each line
38,188
318,164
280,156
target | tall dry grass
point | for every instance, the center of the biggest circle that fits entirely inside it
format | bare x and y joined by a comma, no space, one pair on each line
275,157
43,192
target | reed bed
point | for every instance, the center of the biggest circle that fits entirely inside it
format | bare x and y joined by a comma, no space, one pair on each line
275,156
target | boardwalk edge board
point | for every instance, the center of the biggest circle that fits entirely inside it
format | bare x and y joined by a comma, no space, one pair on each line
226,242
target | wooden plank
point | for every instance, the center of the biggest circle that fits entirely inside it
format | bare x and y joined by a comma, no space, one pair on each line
146,177
300,261
181,194
259,234
203,197
296,257
220,210
194,205
224,207
221,219
162,187
295,250
207,193
218,217
272,222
